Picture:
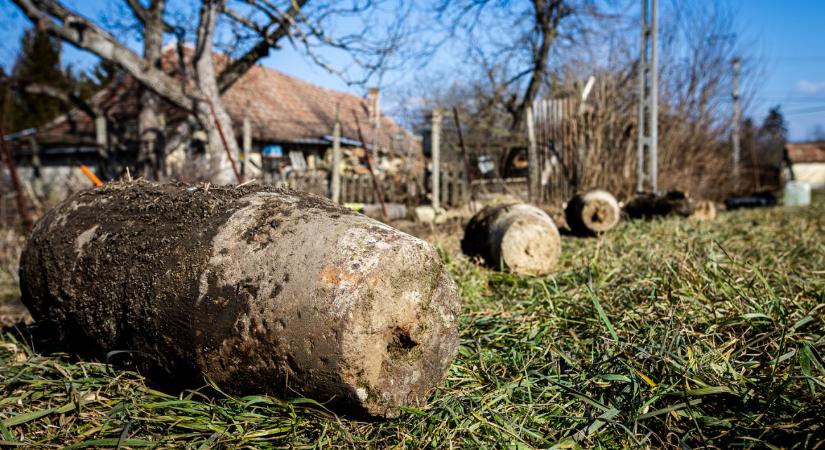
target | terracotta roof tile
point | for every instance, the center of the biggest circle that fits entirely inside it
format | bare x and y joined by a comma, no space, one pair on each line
280,108
806,152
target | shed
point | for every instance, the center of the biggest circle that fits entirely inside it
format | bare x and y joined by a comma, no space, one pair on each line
806,162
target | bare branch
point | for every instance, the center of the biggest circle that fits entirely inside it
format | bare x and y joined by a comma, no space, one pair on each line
81,32
144,15
138,10
243,20
239,66
69,98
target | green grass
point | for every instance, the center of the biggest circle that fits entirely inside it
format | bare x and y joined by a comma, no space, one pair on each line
660,334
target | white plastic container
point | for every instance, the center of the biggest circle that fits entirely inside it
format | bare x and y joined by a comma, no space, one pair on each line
797,193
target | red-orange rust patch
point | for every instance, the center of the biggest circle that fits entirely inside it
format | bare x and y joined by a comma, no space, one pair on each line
332,275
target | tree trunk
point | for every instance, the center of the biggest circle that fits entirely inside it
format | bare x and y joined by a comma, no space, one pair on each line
222,148
150,152
152,137
592,213
260,290
520,237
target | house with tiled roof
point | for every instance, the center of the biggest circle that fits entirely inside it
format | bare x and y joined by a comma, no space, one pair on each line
806,162
284,115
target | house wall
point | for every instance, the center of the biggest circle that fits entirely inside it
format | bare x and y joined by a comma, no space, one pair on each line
812,173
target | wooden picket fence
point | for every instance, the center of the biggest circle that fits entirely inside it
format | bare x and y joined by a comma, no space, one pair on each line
454,191
354,188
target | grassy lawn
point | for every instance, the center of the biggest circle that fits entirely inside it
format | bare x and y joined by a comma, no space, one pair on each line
660,334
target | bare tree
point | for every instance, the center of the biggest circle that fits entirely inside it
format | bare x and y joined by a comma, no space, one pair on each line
512,43
252,26
698,41
513,47
152,138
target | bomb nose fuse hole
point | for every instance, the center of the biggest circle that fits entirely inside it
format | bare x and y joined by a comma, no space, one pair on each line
400,341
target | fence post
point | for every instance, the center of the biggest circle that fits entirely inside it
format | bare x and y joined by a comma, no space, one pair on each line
445,189
336,158
436,158
533,166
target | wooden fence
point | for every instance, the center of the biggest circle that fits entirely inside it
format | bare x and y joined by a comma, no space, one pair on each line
561,148
454,191
354,188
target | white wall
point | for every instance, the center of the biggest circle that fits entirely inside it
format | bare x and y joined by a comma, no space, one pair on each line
812,173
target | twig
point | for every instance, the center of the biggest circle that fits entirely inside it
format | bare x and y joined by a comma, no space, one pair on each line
225,144
375,185
19,195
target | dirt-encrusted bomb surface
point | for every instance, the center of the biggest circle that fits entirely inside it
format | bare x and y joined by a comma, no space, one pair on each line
260,290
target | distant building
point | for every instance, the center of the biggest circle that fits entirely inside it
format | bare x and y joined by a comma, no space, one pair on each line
291,123
806,162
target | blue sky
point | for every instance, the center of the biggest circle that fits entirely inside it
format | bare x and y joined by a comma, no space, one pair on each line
788,37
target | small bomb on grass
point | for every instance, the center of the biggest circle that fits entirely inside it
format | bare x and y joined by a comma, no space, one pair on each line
592,213
520,237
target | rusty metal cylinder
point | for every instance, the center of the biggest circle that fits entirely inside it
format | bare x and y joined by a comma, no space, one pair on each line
257,289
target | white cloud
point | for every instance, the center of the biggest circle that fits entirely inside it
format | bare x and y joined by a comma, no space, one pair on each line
810,87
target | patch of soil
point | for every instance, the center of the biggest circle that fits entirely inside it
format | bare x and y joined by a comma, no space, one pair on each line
13,312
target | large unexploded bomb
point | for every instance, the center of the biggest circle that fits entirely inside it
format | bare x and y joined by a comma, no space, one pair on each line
257,289
592,213
521,237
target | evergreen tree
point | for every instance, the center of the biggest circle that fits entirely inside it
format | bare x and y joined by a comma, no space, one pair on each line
89,83
772,137
749,141
38,63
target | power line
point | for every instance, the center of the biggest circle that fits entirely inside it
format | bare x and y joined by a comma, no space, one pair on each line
792,100
796,59
805,111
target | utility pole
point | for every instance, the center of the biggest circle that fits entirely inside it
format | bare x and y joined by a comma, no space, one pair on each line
648,99
737,118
